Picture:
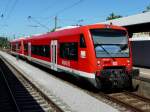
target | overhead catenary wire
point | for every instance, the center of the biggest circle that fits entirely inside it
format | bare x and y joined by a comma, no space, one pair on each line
72,22
63,10
12,8
36,21
35,26
68,7
55,16
48,7
4,12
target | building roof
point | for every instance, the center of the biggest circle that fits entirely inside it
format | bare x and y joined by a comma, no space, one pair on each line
131,20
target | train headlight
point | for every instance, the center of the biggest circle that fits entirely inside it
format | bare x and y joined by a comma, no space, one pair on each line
98,63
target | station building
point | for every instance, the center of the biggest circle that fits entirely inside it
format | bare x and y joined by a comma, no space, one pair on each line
138,27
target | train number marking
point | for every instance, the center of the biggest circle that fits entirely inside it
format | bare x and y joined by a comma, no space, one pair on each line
115,63
66,63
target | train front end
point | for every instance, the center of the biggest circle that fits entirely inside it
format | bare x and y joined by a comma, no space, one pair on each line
113,57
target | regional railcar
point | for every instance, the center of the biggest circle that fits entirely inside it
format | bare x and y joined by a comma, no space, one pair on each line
17,47
100,53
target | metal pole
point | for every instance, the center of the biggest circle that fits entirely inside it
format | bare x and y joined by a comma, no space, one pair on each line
55,22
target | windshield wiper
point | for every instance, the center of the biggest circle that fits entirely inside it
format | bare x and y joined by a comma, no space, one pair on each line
123,47
106,52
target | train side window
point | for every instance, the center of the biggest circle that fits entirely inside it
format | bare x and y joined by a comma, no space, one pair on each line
47,51
41,50
25,47
33,49
13,47
69,50
19,46
82,41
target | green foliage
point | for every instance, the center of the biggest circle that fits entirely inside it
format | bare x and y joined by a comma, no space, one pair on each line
147,9
113,16
4,43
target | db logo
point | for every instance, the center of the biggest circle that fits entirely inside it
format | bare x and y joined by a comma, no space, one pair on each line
115,63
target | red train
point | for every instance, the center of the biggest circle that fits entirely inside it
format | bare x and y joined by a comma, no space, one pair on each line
100,53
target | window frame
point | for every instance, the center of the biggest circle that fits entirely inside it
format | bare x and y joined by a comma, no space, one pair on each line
39,50
82,41
66,48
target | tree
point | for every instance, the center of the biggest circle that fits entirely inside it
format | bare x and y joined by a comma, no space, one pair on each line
113,16
147,9
4,43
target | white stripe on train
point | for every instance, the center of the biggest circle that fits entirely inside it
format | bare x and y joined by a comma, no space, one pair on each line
70,70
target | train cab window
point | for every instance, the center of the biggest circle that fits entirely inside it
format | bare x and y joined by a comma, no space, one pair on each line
82,41
69,51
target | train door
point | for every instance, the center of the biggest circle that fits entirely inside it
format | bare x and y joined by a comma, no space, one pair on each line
17,48
54,55
22,47
29,50
11,47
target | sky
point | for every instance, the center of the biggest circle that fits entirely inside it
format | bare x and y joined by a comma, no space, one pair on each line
20,18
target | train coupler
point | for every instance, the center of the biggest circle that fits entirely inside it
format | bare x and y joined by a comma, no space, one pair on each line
115,78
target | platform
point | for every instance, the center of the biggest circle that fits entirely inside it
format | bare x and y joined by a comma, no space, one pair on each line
144,73
75,99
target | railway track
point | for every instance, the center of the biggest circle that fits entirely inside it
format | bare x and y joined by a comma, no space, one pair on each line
133,102
123,101
19,95
6,100
129,100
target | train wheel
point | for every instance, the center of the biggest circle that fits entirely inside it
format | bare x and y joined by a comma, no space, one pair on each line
98,83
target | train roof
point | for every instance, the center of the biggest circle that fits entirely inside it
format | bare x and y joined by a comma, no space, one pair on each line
68,31
18,39
72,31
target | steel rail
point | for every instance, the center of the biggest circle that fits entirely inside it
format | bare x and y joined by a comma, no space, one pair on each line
53,104
111,99
137,96
12,96
124,104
